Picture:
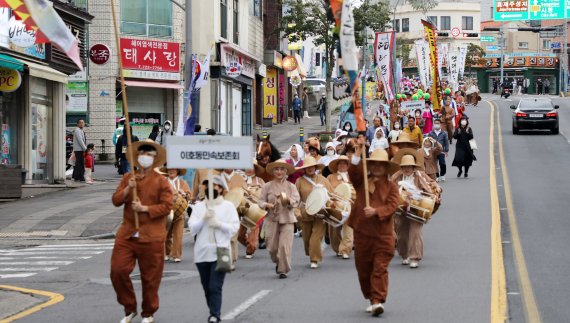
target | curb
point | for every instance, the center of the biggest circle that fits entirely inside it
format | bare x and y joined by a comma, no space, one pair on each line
54,298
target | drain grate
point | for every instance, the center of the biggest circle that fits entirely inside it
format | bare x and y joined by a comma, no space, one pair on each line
51,233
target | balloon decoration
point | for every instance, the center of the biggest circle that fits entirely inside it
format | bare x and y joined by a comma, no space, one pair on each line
426,96
420,93
447,91
415,97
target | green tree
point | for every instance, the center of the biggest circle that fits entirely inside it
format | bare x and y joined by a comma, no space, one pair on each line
374,16
423,5
475,56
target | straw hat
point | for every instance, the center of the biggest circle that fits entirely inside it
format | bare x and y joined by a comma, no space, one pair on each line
164,170
280,163
409,157
404,138
381,156
314,142
310,161
333,166
159,159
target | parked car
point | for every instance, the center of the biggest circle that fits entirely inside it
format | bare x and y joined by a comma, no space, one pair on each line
535,114
315,85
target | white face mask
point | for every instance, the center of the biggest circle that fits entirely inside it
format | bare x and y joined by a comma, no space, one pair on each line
146,161
167,127
463,123
396,126
347,128
330,152
437,127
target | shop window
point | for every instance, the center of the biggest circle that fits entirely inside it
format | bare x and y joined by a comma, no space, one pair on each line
433,20
523,45
236,21
152,18
467,23
396,25
256,8
546,44
406,25
224,18
445,23
10,103
246,117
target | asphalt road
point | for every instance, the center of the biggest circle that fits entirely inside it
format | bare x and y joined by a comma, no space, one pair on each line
453,283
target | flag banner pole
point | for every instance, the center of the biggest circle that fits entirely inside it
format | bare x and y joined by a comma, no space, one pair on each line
125,110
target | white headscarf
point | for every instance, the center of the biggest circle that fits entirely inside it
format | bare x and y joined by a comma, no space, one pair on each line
326,159
300,154
381,143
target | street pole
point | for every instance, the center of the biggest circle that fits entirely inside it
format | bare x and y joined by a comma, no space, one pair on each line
565,56
502,34
188,53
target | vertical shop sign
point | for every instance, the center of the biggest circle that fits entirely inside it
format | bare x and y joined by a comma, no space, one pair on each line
270,95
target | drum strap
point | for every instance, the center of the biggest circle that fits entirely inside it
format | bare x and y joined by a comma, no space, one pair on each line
310,180
175,183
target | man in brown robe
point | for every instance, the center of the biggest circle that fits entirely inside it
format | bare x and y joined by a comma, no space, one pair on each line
144,245
373,225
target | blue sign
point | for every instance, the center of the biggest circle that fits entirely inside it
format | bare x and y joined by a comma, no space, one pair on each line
492,47
555,45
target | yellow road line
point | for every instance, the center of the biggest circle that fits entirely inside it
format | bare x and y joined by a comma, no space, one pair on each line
529,302
54,298
498,281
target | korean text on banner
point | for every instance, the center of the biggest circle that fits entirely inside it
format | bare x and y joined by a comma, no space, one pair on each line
270,94
347,42
453,69
412,106
436,87
422,55
209,152
383,46
462,59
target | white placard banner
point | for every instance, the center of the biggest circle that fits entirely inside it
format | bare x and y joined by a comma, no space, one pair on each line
209,152
383,45
347,42
412,105
462,58
422,55
453,69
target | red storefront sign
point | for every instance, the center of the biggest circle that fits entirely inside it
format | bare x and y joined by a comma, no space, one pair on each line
99,54
150,55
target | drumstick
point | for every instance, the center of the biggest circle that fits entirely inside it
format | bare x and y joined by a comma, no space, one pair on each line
365,170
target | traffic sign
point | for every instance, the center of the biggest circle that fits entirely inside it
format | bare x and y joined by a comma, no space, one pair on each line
555,45
488,39
511,10
455,32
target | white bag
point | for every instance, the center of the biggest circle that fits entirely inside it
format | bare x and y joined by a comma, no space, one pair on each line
71,160
473,144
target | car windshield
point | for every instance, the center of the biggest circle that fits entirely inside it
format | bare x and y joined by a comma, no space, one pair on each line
536,105
314,82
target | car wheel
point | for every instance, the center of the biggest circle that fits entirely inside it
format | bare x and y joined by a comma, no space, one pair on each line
555,131
515,130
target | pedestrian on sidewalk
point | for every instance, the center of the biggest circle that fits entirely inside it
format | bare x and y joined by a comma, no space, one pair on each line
373,225
144,245
323,109
89,163
121,152
166,131
546,86
154,132
180,190
442,138
280,221
296,107
464,155
213,222
79,148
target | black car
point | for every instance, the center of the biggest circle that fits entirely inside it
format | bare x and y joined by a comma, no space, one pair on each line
535,114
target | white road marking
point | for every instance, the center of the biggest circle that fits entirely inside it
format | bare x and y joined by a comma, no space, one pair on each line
77,245
17,275
28,252
36,263
565,136
41,257
73,248
29,269
245,305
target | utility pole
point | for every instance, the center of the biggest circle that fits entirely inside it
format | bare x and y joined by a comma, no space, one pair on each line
565,57
188,52
502,44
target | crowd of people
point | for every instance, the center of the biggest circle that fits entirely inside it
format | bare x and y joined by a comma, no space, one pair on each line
365,194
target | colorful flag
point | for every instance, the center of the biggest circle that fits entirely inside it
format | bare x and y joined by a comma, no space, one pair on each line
186,115
203,73
436,94
422,56
40,16
383,46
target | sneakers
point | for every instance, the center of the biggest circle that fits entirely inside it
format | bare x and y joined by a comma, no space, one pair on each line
369,309
149,319
314,265
248,256
345,256
442,178
414,264
282,276
377,309
405,262
129,318
213,319
166,258
176,260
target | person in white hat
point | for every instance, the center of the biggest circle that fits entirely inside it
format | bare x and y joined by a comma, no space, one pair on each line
213,223
373,225
314,229
280,221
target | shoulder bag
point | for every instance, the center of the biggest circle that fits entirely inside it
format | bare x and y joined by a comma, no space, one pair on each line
224,258
473,144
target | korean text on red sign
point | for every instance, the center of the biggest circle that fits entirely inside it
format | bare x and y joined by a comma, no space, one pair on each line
150,55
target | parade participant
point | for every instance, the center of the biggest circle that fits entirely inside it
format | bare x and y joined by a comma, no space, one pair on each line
459,107
213,222
394,133
441,137
294,156
371,131
420,122
430,151
313,228
379,141
234,181
409,232
173,246
306,148
448,117
314,148
341,237
339,141
250,238
373,225
328,158
148,208
280,221
464,155
347,127
413,131
427,116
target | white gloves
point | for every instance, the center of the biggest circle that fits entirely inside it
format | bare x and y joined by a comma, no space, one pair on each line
210,218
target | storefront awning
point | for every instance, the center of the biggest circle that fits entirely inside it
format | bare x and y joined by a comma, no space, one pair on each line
159,85
45,72
11,63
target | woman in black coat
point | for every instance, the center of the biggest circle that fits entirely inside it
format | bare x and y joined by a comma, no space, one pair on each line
464,156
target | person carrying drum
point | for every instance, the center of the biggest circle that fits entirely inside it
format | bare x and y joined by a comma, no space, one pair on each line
234,181
341,237
249,238
145,244
409,232
373,225
182,194
313,229
279,197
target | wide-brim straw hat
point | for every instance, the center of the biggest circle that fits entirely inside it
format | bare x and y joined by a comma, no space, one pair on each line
159,159
404,138
314,143
164,170
280,163
310,161
419,159
381,156
333,166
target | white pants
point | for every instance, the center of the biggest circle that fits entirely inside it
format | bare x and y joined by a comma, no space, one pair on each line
88,175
